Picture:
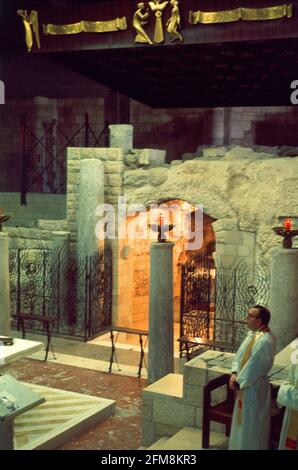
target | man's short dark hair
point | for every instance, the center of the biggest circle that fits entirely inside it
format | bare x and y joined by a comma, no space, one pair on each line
264,314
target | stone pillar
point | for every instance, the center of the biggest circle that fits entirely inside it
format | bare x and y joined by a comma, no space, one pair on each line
161,321
91,194
121,136
284,295
4,286
6,434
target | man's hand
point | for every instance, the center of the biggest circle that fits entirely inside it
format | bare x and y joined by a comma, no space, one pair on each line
232,381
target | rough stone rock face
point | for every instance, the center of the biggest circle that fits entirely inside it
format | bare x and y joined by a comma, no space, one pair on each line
136,177
157,176
214,152
244,153
247,188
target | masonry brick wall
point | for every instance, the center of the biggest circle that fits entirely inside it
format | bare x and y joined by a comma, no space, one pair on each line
273,126
176,130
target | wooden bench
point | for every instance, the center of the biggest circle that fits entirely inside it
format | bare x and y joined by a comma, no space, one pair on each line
223,412
46,321
133,331
189,345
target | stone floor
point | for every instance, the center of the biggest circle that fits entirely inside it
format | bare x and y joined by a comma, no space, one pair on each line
82,367
119,432
95,354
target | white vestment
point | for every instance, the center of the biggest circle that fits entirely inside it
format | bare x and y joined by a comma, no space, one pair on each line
288,396
253,432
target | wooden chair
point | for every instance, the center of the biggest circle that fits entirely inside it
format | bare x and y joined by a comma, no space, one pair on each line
223,412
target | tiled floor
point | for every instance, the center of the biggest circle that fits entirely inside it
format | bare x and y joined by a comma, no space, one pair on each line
95,354
62,416
121,431
82,367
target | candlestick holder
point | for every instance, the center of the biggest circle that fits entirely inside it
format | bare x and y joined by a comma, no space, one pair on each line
161,230
3,218
287,233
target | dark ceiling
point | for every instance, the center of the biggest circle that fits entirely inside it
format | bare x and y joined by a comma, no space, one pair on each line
248,73
230,74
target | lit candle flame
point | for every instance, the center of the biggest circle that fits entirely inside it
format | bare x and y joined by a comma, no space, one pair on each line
160,220
288,223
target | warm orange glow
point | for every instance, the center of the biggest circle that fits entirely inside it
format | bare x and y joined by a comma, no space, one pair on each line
288,223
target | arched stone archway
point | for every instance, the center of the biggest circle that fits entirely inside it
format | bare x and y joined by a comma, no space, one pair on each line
134,253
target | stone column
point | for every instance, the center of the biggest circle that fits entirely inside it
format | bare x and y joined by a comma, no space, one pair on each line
161,321
6,434
121,136
4,286
284,295
91,194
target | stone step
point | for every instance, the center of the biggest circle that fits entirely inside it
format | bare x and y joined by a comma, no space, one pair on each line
159,444
63,416
191,439
169,386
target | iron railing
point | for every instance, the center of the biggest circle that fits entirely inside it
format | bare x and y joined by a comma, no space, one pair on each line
50,283
214,302
44,156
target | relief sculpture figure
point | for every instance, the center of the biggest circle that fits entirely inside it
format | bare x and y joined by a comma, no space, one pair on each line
30,21
173,23
140,18
158,8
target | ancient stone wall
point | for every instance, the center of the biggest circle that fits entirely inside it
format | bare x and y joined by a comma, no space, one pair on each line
245,190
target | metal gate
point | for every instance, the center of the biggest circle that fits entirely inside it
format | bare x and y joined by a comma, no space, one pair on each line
214,303
50,283
235,293
196,296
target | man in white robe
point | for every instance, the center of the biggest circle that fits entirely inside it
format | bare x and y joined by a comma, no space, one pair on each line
288,396
252,362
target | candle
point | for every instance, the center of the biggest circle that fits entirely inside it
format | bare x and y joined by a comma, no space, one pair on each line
288,223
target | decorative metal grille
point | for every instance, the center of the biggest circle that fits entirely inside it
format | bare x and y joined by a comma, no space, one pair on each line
217,308
235,293
44,156
196,290
49,282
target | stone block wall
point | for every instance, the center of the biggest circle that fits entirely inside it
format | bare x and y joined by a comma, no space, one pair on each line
176,130
234,246
181,131
30,238
176,401
245,190
113,161
273,126
113,168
